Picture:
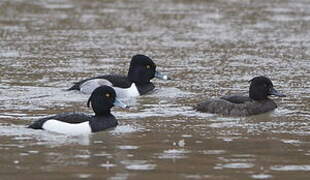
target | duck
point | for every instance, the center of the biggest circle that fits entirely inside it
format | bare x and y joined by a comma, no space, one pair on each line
101,100
137,82
257,102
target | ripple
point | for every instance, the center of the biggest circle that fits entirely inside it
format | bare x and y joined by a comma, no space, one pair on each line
84,176
82,156
261,176
123,129
170,92
238,165
291,168
47,45
128,147
58,6
138,165
215,152
103,154
10,54
291,141
107,165
173,154
141,167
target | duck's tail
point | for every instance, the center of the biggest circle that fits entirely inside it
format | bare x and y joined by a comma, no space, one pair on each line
38,124
76,86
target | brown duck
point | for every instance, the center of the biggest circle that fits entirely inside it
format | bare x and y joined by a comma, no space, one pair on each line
237,105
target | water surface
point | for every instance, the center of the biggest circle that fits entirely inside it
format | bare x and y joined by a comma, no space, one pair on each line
209,48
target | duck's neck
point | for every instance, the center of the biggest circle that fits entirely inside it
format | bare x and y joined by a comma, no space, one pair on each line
104,113
100,122
145,88
260,99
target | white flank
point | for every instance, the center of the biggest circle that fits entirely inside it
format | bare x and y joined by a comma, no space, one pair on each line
67,128
89,86
132,91
165,77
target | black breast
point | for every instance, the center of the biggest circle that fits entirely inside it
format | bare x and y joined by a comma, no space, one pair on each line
102,123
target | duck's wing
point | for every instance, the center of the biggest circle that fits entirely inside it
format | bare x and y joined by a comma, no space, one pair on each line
245,106
237,99
231,105
116,80
89,86
216,106
72,118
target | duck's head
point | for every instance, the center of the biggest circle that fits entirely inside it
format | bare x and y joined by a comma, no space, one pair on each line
261,87
142,69
103,99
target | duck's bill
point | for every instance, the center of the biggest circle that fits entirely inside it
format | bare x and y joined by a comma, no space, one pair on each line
273,91
161,76
119,103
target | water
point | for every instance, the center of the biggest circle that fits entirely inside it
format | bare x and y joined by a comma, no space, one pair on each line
209,48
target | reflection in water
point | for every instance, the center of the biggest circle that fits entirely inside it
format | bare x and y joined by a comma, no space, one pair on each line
291,168
173,154
209,48
138,165
238,165
261,176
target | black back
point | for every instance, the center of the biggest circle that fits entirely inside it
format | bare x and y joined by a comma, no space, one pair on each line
141,70
116,80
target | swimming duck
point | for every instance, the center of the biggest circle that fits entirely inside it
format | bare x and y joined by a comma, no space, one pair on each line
102,100
236,105
137,82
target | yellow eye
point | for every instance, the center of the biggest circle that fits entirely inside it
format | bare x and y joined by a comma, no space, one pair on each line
148,66
107,95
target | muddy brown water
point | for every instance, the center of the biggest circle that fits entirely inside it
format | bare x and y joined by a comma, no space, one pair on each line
209,48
